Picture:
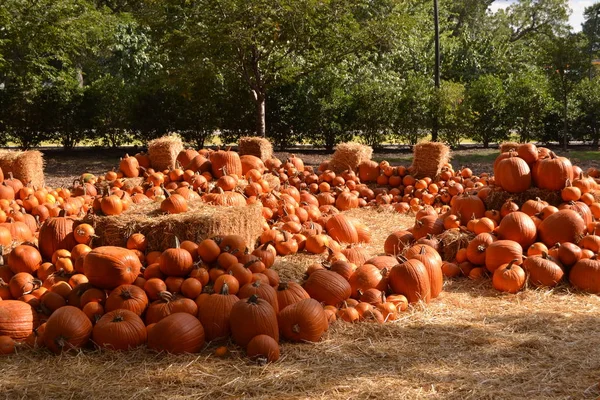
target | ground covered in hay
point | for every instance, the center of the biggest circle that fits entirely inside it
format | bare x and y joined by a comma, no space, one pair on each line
472,342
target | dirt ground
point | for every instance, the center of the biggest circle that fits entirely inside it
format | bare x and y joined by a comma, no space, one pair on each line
471,343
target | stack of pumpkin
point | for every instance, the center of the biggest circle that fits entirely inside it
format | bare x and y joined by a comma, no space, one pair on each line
536,242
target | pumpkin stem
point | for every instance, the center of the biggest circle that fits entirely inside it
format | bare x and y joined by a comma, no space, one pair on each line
282,286
126,294
296,328
165,296
225,289
253,299
118,318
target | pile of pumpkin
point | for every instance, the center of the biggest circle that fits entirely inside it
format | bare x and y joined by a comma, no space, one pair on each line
537,242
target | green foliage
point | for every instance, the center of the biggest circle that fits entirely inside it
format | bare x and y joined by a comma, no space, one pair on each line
486,99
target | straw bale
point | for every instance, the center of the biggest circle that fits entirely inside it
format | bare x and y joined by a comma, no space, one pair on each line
201,221
452,241
163,152
496,198
429,158
27,166
349,156
507,146
256,146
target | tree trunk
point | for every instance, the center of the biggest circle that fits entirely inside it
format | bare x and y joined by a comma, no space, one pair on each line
486,142
261,125
565,124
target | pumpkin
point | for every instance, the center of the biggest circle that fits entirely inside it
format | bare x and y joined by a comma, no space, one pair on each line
502,252
251,317
553,172
368,171
509,277
303,321
543,271
7,345
367,277
173,203
528,152
225,163
177,333
108,267
56,233
127,297
214,312
433,263
532,207
428,225
410,278
327,287
477,247
585,275
562,226
176,261
129,166
169,304
290,293
67,328
513,175
519,227
263,347
263,291
119,330
340,228
17,319
24,258
467,206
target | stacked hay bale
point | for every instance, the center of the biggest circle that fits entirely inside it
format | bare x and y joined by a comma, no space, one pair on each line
163,152
349,156
27,166
429,158
256,146
497,197
201,221
507,146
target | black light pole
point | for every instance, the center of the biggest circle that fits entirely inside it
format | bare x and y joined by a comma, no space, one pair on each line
434,130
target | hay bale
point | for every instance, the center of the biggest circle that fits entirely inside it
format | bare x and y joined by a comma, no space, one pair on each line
27,166
429,158
497,197
201,221
349,156
507,146
163,152
256,146
452,241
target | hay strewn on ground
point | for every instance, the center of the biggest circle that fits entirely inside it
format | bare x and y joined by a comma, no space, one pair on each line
349,156
27,166
507,146
163,152
256,146
199,222
496,198
452,241
429,158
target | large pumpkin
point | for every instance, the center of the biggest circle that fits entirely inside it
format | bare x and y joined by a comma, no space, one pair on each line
119,330
177,333
251,317
519,227
502,252
214,312
56,233
342,229
552,173
585,275
543,271
411,279
225,163
127,297
303,321
107,267
290,293
513,175
467,206
433,263
67,328
17,319
328,287
562,226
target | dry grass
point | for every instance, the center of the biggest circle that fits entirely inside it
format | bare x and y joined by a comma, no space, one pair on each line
429,158
256,146
27,166
470,343
349,156
163,151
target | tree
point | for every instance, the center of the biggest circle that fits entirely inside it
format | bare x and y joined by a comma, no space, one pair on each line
528,100
587,103
486,100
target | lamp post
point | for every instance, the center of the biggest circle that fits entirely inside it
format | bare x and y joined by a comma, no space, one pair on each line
436,24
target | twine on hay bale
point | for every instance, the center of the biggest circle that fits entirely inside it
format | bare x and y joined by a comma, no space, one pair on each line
429,158
27,166
255,146
349,156
452,241
507,146
497,197
201,221
163,152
